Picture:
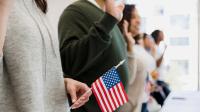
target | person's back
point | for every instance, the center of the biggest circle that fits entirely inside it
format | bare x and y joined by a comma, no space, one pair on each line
32,80
91,44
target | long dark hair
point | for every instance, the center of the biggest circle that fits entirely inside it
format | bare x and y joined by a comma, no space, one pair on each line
42,5
127,14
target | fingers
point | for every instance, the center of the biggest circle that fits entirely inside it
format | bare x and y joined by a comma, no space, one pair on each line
125,26
78,91
72,92
82,100
109,4
121,6
114,8
85,93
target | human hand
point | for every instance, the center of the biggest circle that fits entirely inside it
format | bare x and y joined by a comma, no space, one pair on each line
78,91
128,36
155,74
116,10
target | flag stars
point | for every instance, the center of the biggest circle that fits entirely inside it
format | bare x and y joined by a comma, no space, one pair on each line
111,78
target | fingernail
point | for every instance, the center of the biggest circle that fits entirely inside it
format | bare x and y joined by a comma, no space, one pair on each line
73,107
73,100
83,98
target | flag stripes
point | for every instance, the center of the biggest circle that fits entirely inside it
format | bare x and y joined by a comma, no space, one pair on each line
109,100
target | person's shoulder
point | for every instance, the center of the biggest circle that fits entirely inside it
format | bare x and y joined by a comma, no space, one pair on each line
81,3
80,6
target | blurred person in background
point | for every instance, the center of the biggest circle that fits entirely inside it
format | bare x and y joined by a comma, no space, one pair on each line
149,46
158,37
129,26
31,77
152,86
143,42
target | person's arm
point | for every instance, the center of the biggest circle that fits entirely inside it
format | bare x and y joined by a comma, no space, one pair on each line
4,13
83,48
160,60
25,70
132,63
79,46
24,66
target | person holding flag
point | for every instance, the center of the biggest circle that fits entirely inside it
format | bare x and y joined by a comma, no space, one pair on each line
91,43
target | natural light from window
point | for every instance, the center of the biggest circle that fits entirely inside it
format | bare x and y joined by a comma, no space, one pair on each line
178,20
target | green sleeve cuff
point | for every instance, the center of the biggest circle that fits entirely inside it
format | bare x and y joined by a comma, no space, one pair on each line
67,76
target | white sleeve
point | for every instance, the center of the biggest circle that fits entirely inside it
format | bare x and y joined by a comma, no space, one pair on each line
132,65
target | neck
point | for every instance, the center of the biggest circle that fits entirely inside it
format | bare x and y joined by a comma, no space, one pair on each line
101,3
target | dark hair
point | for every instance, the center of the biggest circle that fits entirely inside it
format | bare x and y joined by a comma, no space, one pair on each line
144,35
137,38
127,15
42,5
140,36
155,35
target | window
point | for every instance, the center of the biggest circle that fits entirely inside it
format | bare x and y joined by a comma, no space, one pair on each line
180,26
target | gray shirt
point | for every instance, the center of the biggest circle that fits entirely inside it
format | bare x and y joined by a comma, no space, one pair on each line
31,78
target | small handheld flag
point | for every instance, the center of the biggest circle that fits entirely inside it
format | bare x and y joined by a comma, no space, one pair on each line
109,90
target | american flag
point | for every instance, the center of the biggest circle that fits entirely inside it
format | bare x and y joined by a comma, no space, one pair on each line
109,91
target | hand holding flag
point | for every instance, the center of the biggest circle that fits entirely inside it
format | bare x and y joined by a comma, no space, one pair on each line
108,90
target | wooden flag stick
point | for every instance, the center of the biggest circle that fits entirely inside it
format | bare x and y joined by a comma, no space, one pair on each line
120,63
87,92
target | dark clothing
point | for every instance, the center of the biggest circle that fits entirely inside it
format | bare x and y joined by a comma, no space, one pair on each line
90,44
144,107
159,97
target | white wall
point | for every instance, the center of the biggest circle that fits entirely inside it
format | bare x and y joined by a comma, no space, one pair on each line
55,8
199,45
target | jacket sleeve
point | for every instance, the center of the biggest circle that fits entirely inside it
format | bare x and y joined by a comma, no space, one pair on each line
24,66
80,48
